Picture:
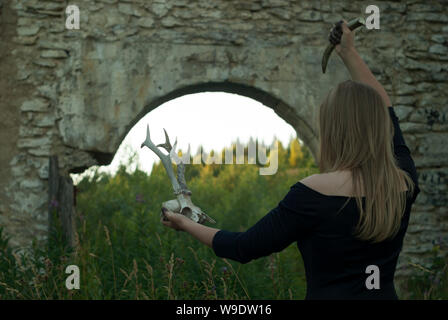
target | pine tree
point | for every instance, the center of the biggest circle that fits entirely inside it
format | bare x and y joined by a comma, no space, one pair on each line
296,154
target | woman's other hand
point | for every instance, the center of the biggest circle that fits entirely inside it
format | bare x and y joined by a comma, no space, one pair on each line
174,220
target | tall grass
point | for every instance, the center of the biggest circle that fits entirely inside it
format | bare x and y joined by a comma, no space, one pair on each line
124,252
430,283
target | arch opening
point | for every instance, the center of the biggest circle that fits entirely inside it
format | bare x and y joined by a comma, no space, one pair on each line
304,129
217,91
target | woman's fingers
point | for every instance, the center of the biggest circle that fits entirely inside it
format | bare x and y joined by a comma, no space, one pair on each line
336,33
169,224
345,27
334,38
168,214
166,217
166,223
171,219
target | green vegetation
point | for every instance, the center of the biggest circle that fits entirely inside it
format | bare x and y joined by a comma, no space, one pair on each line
124,252
432,283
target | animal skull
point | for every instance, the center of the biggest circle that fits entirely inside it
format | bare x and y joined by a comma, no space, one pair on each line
182,204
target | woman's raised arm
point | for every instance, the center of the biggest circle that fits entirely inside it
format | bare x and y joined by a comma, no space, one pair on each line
358,69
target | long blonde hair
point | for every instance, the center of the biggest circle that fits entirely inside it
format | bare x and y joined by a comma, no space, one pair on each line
356,134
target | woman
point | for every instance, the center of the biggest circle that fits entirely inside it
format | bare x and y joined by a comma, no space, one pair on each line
354,214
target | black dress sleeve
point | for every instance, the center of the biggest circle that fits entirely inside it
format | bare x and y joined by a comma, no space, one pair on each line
402,152
293,217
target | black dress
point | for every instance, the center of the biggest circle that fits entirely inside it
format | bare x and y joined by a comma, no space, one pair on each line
335,261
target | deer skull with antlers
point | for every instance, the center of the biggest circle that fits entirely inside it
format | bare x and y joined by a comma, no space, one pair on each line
182,204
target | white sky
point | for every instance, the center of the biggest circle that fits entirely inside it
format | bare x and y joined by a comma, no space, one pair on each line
211,119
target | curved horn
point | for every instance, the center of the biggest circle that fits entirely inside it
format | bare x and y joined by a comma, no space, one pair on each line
352,25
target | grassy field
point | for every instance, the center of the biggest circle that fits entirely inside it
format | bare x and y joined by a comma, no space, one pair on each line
124,252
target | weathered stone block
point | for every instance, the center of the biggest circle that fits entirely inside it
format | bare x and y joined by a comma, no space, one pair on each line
43,170
33,142
310,15
54,43
145,22
410,127
439,38
44,5
29,131
44,120
44,151
48,91
28,30
274,3
159,9
402,111
25,40
171,22
404,100
54,54
114,19
424,16
130,9
433,147
44,63
31,184
404,89
438,49
36,104
281,13
430,115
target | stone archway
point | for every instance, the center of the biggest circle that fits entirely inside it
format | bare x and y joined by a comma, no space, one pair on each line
75,93
116,89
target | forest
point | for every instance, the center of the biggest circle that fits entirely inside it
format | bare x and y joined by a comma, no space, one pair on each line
124,252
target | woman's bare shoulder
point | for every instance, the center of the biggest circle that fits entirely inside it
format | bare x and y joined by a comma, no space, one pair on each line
332,183
316,181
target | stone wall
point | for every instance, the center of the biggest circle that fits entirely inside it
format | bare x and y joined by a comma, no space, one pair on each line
76,93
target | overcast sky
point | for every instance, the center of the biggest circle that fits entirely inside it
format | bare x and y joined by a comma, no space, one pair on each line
211,119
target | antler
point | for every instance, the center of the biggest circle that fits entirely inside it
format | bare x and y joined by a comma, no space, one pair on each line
180,165
166,159
183,203
181,172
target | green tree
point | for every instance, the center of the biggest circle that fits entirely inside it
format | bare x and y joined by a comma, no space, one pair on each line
296,154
